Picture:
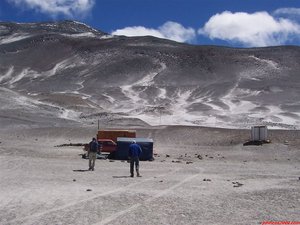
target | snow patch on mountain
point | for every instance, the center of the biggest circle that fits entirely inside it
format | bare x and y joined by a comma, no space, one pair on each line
266,62
13,38
148,80
7,75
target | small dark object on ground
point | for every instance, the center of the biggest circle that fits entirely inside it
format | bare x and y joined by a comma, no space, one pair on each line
188,162
88,189
205,179
167,155
199,157
74,180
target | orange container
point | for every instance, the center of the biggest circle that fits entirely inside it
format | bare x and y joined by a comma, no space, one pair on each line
114,134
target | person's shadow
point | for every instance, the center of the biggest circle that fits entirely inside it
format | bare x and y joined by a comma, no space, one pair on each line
121,176
80,170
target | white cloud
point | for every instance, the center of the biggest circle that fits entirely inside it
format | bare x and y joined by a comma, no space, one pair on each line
169,30
70,8
288,11
251,30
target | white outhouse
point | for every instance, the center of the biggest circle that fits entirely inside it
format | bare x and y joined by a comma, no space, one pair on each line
259,133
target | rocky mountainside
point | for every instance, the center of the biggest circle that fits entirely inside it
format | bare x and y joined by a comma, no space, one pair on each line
68,73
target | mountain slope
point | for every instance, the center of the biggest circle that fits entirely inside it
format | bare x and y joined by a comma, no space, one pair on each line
81,75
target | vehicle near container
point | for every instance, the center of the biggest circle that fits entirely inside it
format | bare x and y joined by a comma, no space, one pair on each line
107,145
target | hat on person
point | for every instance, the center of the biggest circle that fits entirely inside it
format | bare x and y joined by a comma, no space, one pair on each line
133,142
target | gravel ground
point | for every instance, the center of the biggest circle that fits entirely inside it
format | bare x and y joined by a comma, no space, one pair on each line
199,176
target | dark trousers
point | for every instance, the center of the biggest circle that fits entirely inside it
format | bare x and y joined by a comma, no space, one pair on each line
136,161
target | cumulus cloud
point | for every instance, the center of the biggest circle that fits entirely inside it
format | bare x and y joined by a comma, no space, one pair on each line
169,30
70,8
251,30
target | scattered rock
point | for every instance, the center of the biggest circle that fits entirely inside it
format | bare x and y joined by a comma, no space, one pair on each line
176,161
288,159
74,180
286,142
205,179
299,178
199,157
210,157
111,160
245,161
167,155
88,189
161,181
237,184
206,155
188,162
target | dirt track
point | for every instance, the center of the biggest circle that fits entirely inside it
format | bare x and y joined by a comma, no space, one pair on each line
231,184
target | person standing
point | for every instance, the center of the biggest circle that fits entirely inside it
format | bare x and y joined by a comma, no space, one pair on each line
93,149
134,154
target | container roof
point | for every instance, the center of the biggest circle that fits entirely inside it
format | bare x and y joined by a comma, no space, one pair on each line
136,139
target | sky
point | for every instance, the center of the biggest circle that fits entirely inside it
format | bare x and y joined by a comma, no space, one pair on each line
233,23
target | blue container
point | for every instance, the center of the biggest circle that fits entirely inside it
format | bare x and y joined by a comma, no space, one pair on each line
123,148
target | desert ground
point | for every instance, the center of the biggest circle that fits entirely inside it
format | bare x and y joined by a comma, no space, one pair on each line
199,176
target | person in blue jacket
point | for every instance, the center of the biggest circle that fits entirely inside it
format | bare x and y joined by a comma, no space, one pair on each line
134,154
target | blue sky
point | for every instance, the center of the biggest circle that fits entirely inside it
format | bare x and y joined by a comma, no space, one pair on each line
234,23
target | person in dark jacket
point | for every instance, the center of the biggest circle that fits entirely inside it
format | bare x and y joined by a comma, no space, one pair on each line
134,154
93,149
